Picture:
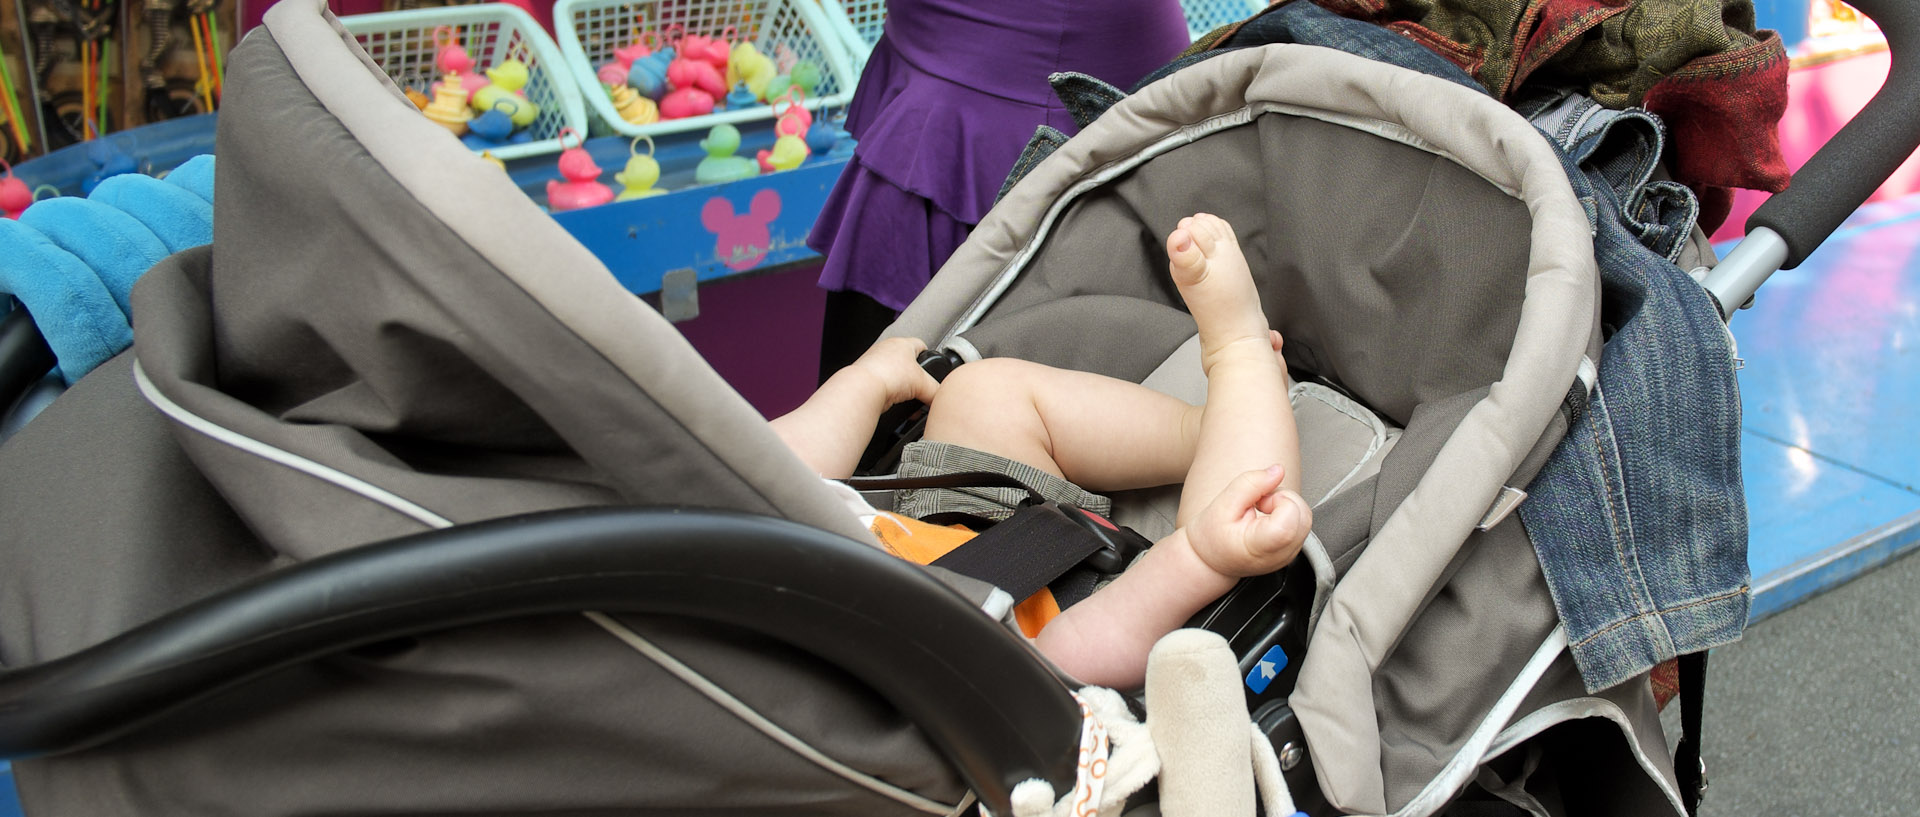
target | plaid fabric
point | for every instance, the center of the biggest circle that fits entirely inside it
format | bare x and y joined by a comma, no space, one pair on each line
921,459
1719,84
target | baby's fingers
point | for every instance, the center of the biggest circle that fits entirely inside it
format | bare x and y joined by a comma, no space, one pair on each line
1249,489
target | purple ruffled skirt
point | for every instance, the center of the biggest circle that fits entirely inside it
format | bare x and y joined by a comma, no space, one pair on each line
948,101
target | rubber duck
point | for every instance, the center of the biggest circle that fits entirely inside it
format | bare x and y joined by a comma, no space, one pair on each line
634,108
681,103
790,117
14,195
687,72
741,97
108,161
803,74
451,58
614,71
750,66
649,73
642,171
713,51
582,187
721,165
449,106
643,44
493,129
493,97
822,136
788,152
512,75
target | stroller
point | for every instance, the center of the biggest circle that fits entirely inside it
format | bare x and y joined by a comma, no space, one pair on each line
320,543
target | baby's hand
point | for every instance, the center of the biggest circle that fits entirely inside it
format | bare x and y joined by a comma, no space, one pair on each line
894,363
1253,527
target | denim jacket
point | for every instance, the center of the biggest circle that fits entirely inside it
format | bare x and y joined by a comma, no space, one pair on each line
1639,516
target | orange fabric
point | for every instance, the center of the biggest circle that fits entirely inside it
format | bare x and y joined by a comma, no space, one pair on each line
923,542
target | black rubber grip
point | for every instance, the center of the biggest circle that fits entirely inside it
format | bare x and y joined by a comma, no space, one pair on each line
1863,154
24,356
982,696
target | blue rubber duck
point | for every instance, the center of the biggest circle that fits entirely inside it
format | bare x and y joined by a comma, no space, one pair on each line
649,73
493,129
740,97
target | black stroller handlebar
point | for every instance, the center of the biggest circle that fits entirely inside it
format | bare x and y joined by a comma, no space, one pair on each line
24,356
995,711
1845,171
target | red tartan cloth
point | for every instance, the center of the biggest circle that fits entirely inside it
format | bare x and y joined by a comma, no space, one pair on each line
1720,85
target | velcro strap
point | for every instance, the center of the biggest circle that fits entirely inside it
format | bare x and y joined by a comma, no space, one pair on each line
1024,552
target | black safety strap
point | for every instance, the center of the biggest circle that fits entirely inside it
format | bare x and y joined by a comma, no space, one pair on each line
1024,552
1688,768
1041,545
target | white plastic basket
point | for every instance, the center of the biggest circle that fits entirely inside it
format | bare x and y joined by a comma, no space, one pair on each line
402,44
1206,15
858,23
589,31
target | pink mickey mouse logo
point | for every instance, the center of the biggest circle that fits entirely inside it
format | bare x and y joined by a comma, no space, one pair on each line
741,240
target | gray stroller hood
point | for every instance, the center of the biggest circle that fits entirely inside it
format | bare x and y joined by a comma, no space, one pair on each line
385,339
1420,248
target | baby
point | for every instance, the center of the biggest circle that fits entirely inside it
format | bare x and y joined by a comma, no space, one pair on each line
1240,511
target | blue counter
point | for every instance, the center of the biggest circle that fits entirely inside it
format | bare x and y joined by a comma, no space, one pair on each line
715,231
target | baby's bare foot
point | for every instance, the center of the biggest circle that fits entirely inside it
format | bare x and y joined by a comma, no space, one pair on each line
1207,265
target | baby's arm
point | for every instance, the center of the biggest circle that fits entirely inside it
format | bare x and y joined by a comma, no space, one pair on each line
831,429
1253,526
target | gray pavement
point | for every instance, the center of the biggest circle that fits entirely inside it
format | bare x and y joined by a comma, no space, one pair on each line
1817,710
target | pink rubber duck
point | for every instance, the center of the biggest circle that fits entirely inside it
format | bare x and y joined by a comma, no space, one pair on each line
582,187
696,86
615,71
14,195
713,51
688,72
790,118
451,58
720,50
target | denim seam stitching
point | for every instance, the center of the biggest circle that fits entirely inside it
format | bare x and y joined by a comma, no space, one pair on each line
1742,590
1622,538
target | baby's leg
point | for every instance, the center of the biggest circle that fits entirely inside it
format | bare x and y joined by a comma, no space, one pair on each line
1101,433
1247,424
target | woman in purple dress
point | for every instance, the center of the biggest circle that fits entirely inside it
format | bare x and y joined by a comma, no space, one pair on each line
950,96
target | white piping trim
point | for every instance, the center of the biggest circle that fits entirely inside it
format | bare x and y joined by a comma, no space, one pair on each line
1185,135
1352,411
683,672
746,713
289,459
1464,764
1575,708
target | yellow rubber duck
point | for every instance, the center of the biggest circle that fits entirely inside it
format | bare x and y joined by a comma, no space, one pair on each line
449,106
788,152
642,171
633,107
746,64
518,108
